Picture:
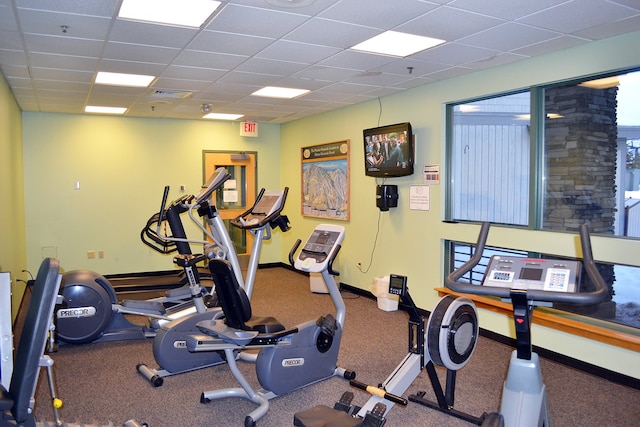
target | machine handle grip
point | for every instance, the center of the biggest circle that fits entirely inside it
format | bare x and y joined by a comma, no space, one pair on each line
376,391
452,281
292,252
332,258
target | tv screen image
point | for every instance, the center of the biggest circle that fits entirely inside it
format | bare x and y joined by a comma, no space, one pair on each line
388,150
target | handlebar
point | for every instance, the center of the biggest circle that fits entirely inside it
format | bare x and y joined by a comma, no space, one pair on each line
151,235
599,294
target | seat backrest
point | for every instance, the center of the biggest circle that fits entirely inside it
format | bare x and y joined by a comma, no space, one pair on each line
34,338
233,299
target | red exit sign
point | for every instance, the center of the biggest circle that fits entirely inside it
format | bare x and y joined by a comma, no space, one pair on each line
249,129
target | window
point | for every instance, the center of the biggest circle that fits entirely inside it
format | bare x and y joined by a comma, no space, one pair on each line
552,158
490,160
586,157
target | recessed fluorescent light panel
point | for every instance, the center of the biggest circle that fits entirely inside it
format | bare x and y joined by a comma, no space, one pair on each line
394,43
119,79
280,92
104,110
222,116
185,13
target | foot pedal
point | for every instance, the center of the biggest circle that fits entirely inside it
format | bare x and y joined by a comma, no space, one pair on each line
145,307
375,417
327,324
344,404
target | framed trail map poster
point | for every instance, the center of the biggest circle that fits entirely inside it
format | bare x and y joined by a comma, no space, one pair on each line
325,180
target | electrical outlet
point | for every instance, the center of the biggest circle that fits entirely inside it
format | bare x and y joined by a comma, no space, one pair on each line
91,254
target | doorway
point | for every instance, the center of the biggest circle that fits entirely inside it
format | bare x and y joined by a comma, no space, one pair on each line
238,193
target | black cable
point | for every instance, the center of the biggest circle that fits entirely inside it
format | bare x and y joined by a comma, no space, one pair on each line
375,244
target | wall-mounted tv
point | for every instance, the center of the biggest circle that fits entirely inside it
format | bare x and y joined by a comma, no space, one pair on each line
388,150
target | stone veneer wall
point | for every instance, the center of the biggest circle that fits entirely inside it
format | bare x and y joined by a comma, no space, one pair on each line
580,156
580,164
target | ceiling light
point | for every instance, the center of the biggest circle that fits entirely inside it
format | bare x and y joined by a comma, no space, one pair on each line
118,79
104,110
279,92
468,108
187,13
603,83
396,44
222,116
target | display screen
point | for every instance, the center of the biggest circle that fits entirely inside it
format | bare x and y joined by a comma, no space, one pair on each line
397,284
388,150
531,274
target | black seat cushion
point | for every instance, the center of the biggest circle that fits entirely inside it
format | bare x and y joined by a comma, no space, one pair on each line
235,303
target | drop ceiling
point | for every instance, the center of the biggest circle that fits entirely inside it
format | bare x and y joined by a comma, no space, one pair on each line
50,51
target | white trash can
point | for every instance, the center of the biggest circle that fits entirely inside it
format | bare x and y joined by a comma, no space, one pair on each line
380,288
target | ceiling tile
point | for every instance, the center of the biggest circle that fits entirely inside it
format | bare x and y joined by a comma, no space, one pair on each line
63,62
7,19
576,15
195,73
10,40
130,67
151,34
63,45
236,44
220,61
505,9
250,43
610,29
509,36
60,75
455,53
381,14
138,53
439,23
552,45
306,53
81,7
256,80
324,32
252,21
356,60
51,23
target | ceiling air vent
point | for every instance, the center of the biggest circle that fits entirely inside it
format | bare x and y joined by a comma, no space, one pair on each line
173,94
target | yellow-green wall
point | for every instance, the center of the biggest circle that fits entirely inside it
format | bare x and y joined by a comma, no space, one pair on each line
13,254
122,165
411,242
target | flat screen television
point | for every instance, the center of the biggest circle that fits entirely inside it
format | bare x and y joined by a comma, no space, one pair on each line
388,150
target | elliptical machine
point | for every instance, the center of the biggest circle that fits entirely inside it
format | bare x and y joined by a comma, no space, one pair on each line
169,344
90,311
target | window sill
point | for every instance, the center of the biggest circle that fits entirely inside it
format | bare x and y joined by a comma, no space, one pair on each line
597,330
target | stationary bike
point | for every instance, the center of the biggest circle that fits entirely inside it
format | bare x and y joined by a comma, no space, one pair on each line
169,343
289,358
90,311
528,282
